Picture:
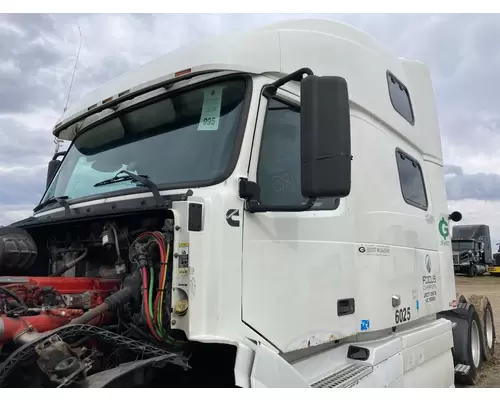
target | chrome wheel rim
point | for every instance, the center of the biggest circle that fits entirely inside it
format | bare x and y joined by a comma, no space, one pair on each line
489,329
475,344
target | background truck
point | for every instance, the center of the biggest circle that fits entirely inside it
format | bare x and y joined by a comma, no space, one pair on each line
265,209
472,253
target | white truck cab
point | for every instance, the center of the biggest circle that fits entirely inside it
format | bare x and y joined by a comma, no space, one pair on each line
302,165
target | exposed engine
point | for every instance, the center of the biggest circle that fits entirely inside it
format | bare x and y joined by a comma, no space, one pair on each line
79,299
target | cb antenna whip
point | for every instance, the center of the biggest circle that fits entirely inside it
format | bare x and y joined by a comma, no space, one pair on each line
56,140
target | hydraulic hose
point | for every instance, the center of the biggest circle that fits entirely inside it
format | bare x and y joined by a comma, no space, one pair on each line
91,314
13,295
71,264
131,288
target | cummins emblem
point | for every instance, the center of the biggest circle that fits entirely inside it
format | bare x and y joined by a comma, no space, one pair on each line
233,217
428,263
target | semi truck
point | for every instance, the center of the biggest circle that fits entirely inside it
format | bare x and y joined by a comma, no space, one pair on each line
471,246
263,209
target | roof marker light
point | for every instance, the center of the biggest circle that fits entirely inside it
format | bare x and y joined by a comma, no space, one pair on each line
183,72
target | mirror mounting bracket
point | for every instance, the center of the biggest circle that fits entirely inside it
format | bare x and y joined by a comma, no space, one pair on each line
297,76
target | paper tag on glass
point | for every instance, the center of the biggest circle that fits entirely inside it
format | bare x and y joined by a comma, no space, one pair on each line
210,114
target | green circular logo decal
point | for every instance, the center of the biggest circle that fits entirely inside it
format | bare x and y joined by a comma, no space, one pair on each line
443,228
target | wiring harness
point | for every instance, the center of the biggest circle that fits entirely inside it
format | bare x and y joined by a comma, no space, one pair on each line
154,307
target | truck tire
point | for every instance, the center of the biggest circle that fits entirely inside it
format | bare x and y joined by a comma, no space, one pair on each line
468,347
461,298
485,311
472,271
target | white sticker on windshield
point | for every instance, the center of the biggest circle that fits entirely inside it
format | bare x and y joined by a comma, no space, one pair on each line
210,114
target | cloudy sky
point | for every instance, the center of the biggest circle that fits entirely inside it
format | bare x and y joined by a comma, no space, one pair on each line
38,53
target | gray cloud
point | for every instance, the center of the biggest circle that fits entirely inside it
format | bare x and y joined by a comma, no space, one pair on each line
480,186
22,185
21,146
27,50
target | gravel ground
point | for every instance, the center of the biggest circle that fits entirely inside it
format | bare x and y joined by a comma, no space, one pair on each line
488,286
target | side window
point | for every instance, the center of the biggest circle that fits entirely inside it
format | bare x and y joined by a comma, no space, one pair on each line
400,98
278,172
412,180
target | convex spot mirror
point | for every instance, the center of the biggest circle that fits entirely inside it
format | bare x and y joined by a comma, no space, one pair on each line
325,142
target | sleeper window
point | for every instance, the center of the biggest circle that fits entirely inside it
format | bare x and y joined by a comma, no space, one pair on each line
412,181
400,98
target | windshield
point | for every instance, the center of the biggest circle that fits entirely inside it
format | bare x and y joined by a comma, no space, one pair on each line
185,139
462,246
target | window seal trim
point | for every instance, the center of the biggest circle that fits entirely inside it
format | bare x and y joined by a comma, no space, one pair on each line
398,152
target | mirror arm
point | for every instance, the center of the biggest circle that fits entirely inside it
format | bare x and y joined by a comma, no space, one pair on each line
58,154
271,89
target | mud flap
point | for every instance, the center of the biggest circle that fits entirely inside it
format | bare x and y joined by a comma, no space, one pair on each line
272,371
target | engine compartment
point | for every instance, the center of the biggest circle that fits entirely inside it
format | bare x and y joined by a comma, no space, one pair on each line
78,299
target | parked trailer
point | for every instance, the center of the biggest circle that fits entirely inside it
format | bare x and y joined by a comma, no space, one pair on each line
264,209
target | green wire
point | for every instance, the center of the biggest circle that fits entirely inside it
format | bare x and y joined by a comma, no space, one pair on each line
150,292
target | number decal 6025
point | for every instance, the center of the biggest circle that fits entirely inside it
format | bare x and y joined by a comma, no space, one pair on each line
402,315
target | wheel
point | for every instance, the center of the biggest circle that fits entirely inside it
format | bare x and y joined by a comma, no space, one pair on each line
472,271
468,347
483,307
461,298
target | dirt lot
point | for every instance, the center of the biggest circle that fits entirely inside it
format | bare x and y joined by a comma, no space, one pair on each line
489,286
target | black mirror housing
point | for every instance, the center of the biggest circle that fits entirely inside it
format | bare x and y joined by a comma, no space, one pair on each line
51,171
325,137
53,167
455,216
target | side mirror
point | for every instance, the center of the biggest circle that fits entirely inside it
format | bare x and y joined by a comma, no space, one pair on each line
455,216
325,131
53,167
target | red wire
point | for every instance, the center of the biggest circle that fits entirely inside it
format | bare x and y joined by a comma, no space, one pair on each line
159,241
161,283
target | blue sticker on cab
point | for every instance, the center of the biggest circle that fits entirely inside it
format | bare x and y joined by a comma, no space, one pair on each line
365,324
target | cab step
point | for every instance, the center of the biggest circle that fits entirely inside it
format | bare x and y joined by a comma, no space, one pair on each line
346,377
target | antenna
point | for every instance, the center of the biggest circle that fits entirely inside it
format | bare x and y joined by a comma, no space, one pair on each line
56,140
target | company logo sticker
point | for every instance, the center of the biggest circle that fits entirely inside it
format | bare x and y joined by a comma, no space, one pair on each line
443,228
428,263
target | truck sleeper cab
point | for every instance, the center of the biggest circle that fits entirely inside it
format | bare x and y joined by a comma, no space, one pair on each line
301,169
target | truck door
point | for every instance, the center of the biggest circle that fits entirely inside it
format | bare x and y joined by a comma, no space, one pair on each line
296,265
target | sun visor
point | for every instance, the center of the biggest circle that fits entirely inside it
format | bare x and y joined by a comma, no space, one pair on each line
163,107
72,131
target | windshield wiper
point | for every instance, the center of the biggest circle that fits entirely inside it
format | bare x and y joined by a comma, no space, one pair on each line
60,200
140,179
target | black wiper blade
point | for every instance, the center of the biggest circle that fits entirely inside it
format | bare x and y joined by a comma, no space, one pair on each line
60,200
140,179
115,179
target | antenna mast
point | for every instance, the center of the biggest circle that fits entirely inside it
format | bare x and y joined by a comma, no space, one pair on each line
56,140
